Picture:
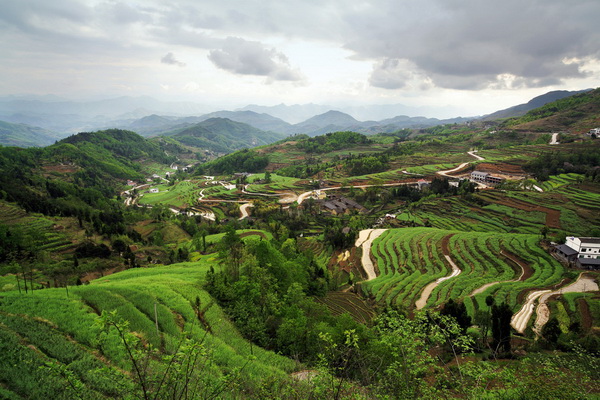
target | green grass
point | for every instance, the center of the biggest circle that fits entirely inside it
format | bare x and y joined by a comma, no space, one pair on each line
53,318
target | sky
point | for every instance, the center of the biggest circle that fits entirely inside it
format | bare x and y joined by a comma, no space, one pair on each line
470,57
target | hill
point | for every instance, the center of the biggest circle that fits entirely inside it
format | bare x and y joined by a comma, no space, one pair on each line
23,135
223,135
536,102
79,173
576,114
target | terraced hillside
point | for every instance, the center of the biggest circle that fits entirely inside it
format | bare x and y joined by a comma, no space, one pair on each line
64,352
504,266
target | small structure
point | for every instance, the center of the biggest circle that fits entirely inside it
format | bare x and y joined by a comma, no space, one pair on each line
341,205
130,182
479,176
583,251
153,190
485,177
423,184
594,132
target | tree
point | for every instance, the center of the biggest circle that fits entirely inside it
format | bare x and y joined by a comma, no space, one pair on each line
501,316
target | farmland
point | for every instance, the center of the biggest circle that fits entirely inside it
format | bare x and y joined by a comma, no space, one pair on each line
61,333
409,259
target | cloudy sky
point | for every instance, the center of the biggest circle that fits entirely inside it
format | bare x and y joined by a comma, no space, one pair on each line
475,56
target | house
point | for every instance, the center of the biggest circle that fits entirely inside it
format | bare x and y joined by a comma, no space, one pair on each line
130,182
153,190
584,251
422,184
341,205
594,132
485,177
479,176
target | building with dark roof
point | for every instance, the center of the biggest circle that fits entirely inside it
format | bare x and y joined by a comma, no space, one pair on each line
583,251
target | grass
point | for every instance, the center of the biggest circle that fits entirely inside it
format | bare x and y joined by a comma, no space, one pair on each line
63,329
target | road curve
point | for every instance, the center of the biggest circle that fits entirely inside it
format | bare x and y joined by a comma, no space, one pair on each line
365,240
583,283
419,304
244,210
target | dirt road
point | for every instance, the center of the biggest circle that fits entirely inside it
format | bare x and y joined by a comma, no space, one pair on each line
365,239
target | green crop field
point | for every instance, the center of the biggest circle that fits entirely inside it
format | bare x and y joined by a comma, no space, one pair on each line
409,259
61,330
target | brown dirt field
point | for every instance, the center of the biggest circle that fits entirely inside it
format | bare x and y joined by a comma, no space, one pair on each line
586,317
445,241
63,169
501,168
528,271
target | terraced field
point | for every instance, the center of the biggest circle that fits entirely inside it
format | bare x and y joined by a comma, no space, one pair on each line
61,330
346,302
502,265
43,232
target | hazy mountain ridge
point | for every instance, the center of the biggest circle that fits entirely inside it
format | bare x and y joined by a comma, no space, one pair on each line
539,101
223,135
23,135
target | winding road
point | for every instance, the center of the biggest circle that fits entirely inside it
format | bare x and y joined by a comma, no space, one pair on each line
520,320
365,240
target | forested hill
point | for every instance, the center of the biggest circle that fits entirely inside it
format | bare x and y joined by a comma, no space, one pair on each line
78,172
575,114
23,135
223,135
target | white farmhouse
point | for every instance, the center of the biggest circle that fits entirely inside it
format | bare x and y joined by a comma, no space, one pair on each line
585,251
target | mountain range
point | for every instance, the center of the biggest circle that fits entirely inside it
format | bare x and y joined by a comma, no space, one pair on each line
54,118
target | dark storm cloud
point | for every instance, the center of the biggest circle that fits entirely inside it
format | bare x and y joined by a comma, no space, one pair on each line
468,44
253,58
170,59
459,44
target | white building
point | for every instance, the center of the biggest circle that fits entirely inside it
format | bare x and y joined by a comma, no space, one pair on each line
479,176
587,247
154,190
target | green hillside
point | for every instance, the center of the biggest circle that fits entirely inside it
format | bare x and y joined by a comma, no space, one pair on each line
68,345
370,265
223,135
576,114
22,135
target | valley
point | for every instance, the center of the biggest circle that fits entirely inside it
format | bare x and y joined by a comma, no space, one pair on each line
221,259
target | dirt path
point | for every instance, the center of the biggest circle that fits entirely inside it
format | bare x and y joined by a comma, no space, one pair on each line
419,304
520,319
244,210
447,172
471,153
583,283
487,285
365,240
306,195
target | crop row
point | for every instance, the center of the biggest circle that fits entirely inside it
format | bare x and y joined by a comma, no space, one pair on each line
409,259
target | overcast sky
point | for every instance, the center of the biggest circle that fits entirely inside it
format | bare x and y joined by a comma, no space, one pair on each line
475,55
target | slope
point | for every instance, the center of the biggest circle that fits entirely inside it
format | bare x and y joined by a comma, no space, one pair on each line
22,135
536,102
66,350
223,135
575,114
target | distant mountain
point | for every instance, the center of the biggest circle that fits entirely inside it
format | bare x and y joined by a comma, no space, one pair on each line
22,135
260,121
223,135
521,109
292,114
74,116
576,114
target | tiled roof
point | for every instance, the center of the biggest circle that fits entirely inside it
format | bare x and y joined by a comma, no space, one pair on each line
566,249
